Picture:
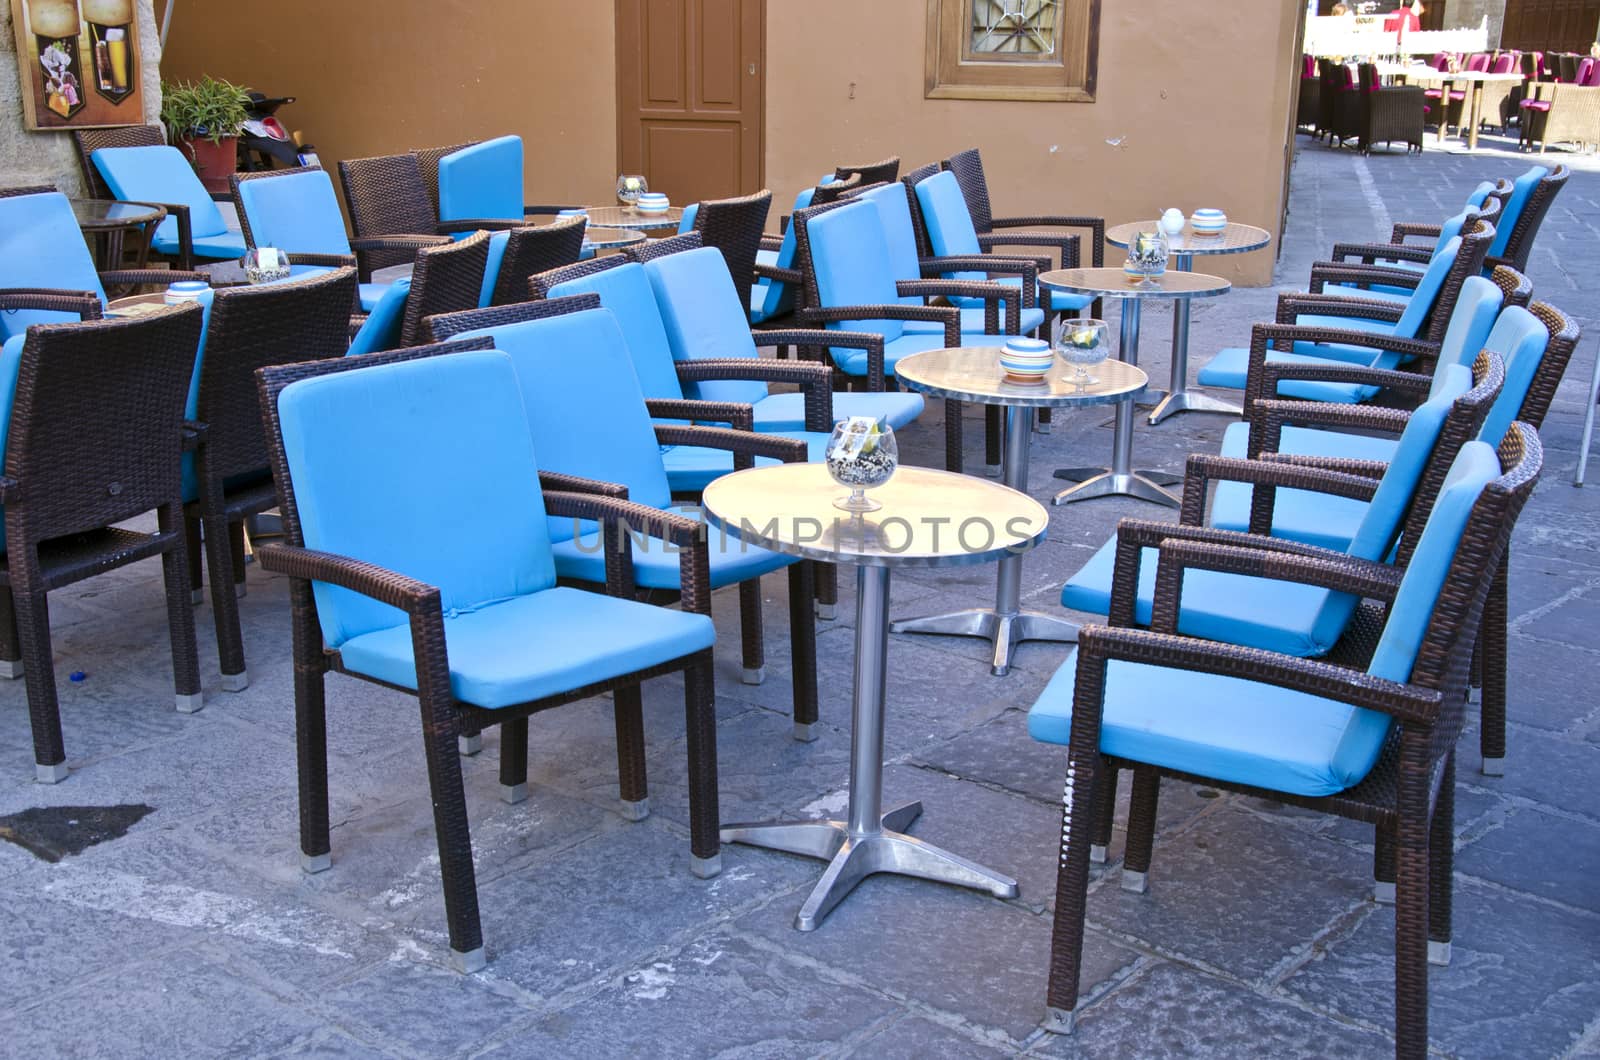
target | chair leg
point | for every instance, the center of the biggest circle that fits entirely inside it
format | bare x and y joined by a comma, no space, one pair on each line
1086,786
1383,865
191,534
750,632
514,761
10,649
33,630
180,613
827,591
439,731
699,701
952,435
803,649
1105,817
224,603
1141,830
1041,421
1441,866
1411,916
628,711
1492,648
310,728
991,440
236,552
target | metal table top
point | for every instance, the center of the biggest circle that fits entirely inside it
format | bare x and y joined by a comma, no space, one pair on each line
97,214
1235,239
1114,283
606,238
628,217
973,373
929,518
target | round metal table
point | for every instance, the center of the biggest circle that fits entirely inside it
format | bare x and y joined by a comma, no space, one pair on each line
628,217
974,374
609,238
927,520
1235,239
105,221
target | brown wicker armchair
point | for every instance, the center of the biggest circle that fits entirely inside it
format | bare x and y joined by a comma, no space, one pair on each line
1561,113
250,327
385,196
734,227
96,437
533,249
1389,113
1408,793
871,172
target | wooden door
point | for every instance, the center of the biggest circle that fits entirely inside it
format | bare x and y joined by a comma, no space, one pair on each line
1550,25
690,77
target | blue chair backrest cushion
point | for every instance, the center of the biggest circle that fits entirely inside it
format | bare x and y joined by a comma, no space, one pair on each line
850,256
686,222
1521,191
704,319
774,294
41,245
491,266
381,330
626,292
949,224
295,212
1521,338
584,404
1380,525
484,180
894,214
160,174
1427,290
1449,230
1474,315
358,443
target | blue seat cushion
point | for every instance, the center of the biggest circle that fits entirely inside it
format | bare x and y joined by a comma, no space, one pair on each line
222,246
369,294
691,468
1060,301
1229,728
627,293
655,565
381,330
1231,368
700,318
854,362
1285,617
1301,515
295,212
787,412
972,319
531,647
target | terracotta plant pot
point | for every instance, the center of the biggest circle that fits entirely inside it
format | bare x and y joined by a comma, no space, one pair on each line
214,162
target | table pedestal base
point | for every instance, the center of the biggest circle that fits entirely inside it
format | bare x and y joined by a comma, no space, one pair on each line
1117,484
1180,400
852,858
1005,630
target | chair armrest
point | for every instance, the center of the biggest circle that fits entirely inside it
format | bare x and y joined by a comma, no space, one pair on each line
949,316
1269,417
399,242
1263,335
1325,272
1369,253
1291,305
1095,225
803,338
86,304
996,298
334,260
744,445
1409,384
781,275
535,209
771,243
1067,247
1098,645
149,277
1040,262
556,480
1404,230
1373,469
619,519
814,380
739,413
479,224
381,584
1265,479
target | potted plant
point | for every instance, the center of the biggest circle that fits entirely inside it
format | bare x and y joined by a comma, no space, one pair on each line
203,120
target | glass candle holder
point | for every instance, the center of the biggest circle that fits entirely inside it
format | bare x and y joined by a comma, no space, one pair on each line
629,187
1083,344
862,455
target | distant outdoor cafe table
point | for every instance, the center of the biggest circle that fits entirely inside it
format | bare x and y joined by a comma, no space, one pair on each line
628,217
926,520
1120,479
1235,239
106,221
974,374
610,238
1475,80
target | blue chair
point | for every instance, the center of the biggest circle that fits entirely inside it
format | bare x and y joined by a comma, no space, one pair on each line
449,590
1373,745
194,227
47,275
584,352
1524,213
1486,200
295,210
625,289
1294,619
1336,329
1368,279
772,296
480,187
447,278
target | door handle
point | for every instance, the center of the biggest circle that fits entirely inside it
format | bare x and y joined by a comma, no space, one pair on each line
752,69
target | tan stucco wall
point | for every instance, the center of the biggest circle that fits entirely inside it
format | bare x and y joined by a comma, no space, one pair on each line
48,157
374,78
1197,94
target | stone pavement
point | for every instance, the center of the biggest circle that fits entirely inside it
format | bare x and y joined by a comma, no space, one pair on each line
195,933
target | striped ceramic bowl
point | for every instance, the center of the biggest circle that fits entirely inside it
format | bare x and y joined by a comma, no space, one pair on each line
1209,222
652,202
1025,360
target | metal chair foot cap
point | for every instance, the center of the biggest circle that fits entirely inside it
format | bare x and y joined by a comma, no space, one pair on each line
188,704
992,470
1135,882
705,868
197,596
635,809
753,675
1438,952
1383,893
825,612
1059,1020
1097,854
511,794
468,962
10,669
805,731
50,774
311,864
1041,427
470,745
240,590
1494,767
236,682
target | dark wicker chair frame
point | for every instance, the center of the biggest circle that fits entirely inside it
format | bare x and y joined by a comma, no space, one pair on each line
1528,222
361,246
445,279
871,172
96,438
1390,113
428,162
814,378
445,719
734,227
533,249
385,197
1409,795
251,327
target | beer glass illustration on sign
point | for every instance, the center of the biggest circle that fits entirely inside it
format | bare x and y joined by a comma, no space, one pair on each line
108,22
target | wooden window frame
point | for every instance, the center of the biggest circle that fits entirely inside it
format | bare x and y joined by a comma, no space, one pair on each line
1067,76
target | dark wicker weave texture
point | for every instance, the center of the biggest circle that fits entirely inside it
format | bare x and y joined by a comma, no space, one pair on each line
734,227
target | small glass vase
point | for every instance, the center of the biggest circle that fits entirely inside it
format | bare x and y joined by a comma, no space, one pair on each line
264,265
862,455
1147,256
629,187
1083,344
